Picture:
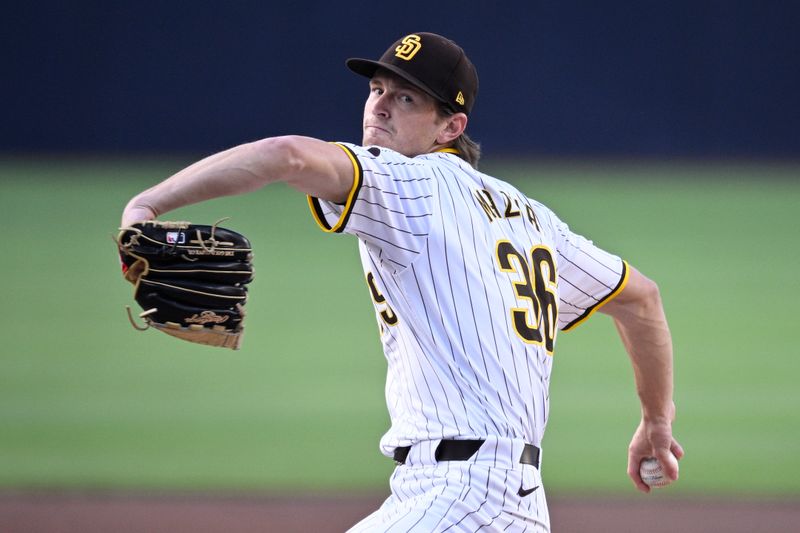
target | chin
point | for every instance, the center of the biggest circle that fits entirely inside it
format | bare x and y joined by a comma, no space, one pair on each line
377,137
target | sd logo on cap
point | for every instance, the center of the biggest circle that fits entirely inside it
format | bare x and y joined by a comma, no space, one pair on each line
408,47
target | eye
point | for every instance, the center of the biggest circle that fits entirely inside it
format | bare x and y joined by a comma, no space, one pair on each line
406,98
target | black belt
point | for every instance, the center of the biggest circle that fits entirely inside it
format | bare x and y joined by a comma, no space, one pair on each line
461,450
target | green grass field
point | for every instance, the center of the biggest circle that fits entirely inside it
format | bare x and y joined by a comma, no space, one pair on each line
86,401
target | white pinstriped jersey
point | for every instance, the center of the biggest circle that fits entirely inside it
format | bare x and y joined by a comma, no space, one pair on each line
471,281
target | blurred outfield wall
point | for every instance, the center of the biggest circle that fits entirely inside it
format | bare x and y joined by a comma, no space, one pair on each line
683,78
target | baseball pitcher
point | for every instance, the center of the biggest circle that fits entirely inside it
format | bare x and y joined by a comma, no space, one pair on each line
471,281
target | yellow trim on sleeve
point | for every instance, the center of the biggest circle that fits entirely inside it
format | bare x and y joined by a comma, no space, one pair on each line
618,289
316,208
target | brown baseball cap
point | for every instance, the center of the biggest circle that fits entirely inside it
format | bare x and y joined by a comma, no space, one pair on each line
433,63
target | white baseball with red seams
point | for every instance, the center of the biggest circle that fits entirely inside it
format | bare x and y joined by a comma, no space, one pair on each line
652,474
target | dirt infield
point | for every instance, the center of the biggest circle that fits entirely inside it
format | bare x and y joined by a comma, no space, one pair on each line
126,512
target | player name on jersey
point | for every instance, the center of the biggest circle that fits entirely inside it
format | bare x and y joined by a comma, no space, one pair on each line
511,207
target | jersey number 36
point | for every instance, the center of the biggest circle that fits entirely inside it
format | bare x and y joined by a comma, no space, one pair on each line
535,321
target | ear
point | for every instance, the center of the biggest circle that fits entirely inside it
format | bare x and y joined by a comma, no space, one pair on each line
454,127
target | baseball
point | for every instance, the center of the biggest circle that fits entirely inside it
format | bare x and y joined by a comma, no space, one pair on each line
652,474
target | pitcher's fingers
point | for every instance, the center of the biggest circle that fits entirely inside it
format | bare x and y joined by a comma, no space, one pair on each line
677,449
636,478
669,463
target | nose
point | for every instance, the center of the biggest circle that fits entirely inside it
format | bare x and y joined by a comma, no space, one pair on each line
380,106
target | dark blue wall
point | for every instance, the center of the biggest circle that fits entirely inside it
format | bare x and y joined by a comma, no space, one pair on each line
640,78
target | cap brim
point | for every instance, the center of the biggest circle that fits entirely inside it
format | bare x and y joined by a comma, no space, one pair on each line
368,67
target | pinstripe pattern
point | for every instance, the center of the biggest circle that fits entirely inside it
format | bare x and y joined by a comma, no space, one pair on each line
460,365
466,496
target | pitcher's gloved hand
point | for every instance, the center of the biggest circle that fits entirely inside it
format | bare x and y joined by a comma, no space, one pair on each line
190,279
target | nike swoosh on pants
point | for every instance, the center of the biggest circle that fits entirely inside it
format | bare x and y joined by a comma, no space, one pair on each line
524,492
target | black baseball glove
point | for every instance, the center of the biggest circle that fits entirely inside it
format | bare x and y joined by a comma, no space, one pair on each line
191,280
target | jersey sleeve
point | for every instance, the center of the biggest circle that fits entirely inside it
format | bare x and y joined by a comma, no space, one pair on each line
389,206
589,277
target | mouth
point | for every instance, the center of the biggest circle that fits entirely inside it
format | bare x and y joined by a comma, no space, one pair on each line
378,128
